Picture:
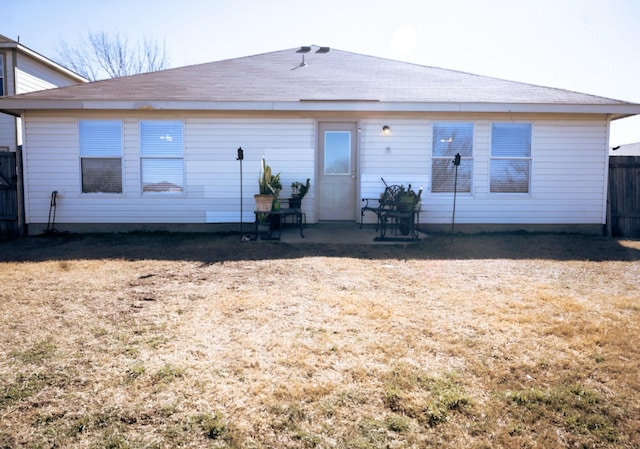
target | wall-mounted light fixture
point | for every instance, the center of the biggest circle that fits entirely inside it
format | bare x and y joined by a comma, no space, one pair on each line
386,130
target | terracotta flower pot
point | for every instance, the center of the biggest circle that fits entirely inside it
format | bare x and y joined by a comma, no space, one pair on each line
263,202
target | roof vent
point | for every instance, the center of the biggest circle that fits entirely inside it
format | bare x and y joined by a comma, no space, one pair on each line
302,64
304,50
323,50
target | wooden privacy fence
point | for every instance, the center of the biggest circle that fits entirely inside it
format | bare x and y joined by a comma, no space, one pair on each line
624,196
8,196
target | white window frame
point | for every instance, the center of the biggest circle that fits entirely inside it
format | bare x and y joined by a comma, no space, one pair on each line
3,90
103,140
497,159
162,142
445,159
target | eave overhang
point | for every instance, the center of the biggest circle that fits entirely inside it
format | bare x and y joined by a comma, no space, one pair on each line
19,106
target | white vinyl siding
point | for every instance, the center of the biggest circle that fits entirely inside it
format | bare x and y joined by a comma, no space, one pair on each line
32,75
101,155
567,177
450,139
510,157
567,185
212,181
567,182
161,152
7,131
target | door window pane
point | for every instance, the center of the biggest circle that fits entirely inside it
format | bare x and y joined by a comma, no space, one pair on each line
337,152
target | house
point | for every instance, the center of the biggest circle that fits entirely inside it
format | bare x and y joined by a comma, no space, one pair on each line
21,70
158,150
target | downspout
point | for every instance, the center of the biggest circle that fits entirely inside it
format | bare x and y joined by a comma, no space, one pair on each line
607,200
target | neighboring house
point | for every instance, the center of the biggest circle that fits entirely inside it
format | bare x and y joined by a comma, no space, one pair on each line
23,70
158,150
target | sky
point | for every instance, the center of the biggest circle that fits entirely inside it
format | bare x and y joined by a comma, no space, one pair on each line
589,46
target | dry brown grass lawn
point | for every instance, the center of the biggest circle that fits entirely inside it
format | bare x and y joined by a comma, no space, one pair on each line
161,340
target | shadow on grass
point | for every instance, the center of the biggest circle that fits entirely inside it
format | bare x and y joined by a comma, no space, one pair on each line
222,247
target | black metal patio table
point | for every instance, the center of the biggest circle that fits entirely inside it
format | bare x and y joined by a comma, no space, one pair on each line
277,218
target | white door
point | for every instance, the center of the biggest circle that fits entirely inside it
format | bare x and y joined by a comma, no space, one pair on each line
337,171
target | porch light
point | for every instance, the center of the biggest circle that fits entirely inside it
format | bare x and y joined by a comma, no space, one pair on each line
386,130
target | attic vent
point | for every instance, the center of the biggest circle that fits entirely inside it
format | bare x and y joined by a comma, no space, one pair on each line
323,50
304,50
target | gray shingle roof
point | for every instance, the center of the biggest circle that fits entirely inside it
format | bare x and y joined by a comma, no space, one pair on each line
333,76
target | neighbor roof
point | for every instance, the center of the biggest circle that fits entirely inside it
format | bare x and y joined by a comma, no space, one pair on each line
316,78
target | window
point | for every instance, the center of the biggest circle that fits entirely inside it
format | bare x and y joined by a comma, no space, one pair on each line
450,139
101,156
1,75
161,149
510,157
337,152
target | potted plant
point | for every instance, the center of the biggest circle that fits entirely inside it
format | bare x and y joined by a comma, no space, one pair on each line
406,201
269,188
298,191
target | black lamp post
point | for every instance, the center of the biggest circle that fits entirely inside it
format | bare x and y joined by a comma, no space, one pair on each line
240,157
456,162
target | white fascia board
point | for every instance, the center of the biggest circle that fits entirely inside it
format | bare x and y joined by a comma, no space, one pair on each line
372,106
616,110
622,109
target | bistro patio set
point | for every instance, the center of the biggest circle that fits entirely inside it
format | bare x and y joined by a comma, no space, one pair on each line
397,212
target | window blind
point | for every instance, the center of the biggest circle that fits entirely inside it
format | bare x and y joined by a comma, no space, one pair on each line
100,138
449,139
161,138
452,138
510,157
511,140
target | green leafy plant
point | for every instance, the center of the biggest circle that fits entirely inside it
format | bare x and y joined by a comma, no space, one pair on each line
268,183
408,198
299,189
